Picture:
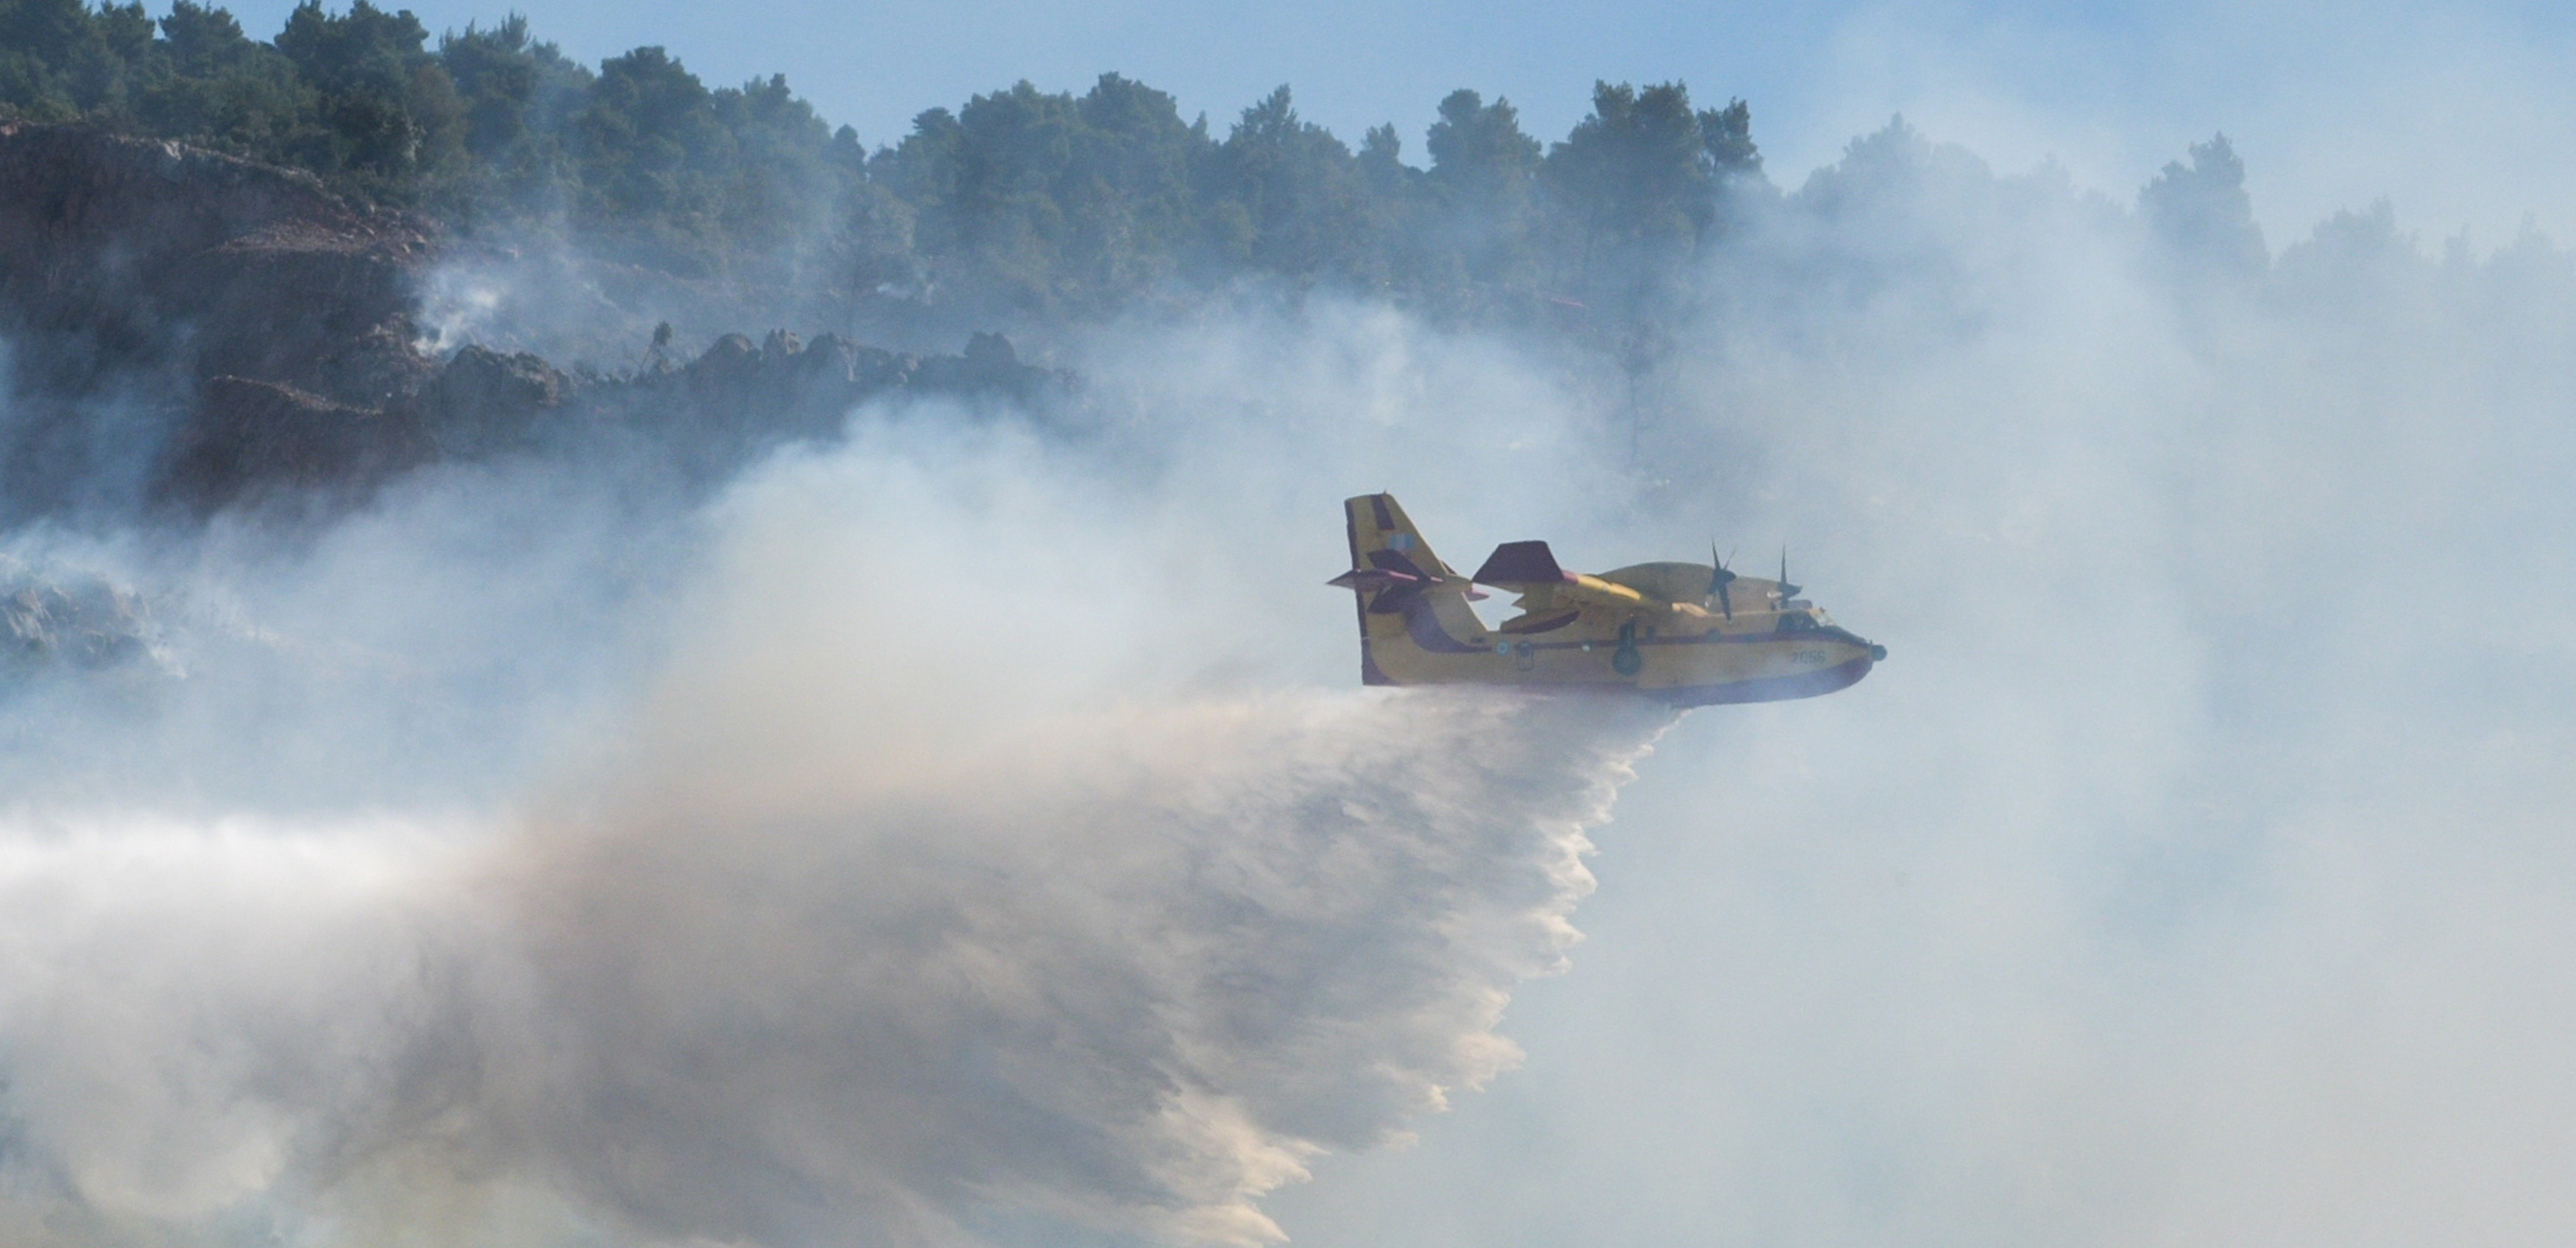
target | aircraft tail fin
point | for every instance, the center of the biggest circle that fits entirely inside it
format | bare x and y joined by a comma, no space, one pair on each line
1382,536
1396,576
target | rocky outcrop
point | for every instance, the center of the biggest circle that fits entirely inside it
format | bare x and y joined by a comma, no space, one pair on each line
486,403
251,437
251,334
118,254
238,323
53,622
737,396
710,412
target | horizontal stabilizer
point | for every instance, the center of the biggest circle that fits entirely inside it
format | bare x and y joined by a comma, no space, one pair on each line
1521,563
1373,579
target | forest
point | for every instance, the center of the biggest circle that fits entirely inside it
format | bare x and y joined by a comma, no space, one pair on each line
1020,205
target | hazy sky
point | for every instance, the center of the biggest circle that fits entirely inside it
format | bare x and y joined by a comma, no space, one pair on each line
2462,116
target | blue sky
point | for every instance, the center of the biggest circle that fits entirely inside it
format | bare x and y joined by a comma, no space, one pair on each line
2462,117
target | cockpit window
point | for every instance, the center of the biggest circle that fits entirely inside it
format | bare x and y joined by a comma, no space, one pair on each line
1797,622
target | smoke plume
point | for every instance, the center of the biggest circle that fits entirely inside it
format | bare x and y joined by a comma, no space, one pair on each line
961,833
891,898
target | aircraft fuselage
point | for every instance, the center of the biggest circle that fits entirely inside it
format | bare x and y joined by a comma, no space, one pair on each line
1648,628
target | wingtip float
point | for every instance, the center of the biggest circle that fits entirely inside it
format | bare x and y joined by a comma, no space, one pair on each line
1686,633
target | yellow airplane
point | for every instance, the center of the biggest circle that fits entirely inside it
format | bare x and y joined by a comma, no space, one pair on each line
1687,633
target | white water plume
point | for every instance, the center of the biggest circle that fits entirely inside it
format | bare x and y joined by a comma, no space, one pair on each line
880,914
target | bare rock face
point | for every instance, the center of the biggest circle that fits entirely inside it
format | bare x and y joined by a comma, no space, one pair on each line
737,397
189,293
989,365
52,623
486,403
150,253
250,437
191,332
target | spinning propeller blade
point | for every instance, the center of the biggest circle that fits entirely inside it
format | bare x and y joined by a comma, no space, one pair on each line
1718,579
1787,590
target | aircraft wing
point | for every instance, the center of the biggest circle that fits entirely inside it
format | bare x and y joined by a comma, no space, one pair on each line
1530,570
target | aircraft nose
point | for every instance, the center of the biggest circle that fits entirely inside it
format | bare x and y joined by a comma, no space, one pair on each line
1877,653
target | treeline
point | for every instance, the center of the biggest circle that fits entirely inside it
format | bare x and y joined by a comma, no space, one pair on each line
1021,204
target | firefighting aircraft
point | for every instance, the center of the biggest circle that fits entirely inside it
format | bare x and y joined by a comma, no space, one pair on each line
1687,633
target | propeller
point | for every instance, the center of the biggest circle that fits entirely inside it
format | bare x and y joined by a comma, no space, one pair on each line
1718,579
1787,590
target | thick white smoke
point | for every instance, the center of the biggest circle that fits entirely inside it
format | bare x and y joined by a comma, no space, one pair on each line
968,835
899,910
947,870
2195,870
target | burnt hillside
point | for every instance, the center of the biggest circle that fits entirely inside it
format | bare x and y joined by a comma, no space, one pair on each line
191,330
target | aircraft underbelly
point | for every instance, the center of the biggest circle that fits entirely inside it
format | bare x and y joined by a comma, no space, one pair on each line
1685,671
1807,684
